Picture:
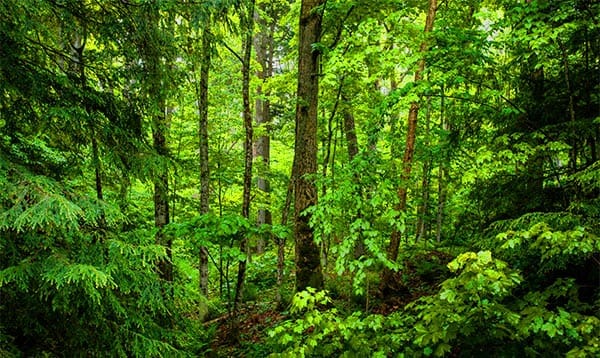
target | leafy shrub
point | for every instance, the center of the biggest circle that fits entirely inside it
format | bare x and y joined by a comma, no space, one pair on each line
320,332
468,308
487,307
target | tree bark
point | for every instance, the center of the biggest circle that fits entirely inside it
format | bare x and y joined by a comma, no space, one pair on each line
263,44
441,201
161,193
150,50
423,209
442,173
308,263
247,115
202,97
409,151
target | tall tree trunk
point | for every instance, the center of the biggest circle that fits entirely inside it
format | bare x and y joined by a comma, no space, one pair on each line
247,114
161,191
409,150
308,262
151,53
441,201
441,175
202,98
423,210
263,44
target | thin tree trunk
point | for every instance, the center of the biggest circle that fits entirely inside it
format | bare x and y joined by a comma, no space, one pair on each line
423,210
161,193
441,176
175,178
407,161
587,85
441,201
97,167
77,48
247,114
263,43
202,98
308,262
422,221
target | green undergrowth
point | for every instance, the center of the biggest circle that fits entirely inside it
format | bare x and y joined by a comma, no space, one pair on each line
534,294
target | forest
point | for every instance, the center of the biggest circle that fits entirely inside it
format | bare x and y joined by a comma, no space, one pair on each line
310,178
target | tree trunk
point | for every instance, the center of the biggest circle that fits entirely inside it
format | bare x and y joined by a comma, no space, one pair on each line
97,168
161,191
247,114
441,201
308,263
202,97
263,44
409,150
423,209
441,175
151,53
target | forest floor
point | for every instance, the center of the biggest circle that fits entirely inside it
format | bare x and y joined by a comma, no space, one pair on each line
247,337
419,277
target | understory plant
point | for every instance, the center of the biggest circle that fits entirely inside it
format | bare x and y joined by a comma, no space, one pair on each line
486,308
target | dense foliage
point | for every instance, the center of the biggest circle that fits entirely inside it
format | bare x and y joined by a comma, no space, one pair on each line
455,206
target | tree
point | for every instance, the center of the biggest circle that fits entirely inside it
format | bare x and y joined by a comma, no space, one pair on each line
264,46
105,119
75,265
152,52
308,262
409,149
247,25
202,98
